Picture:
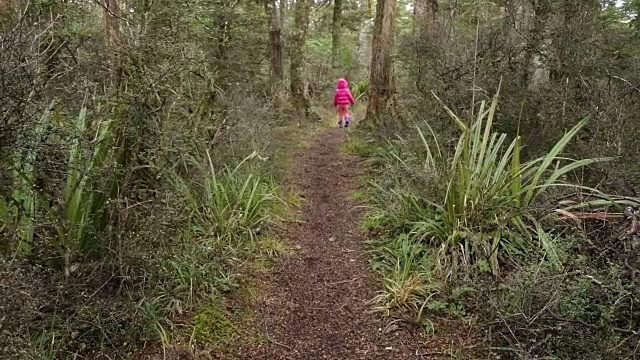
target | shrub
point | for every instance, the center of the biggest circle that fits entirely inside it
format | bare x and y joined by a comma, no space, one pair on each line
474,207
231,204
359,89
78,214
480,208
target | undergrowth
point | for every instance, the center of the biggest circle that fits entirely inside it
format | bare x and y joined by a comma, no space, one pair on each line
170,277
173,291
467,232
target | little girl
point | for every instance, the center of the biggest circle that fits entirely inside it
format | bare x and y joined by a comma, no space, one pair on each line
341,100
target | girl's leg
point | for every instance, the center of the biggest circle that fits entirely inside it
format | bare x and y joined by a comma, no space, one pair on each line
341,114
347,118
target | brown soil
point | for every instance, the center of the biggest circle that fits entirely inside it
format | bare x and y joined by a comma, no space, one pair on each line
314,305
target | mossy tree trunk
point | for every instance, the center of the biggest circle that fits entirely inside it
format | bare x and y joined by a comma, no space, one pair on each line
424,14
112,36
424,19
538,72
381,112
335,32
302,12
364,37
275,46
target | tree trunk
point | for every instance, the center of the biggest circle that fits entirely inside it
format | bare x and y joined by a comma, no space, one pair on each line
335,31
275,45
424,18
381,114
538,72
512,27
298,48
283,12
364,37
112,34
424,15
579,20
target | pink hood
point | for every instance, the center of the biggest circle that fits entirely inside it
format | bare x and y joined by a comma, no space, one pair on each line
343,95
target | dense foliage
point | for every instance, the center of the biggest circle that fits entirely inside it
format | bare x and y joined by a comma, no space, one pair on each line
512,218
141,150
122,124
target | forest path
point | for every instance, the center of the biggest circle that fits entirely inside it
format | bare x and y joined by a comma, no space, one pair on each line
314,303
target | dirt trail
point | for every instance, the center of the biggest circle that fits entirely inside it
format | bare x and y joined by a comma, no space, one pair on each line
314,304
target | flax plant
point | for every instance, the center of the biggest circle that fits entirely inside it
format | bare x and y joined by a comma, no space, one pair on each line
230,204
484,210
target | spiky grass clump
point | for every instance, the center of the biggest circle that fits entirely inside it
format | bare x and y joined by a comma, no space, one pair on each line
458,210
359,89
231,204
81,213
478,207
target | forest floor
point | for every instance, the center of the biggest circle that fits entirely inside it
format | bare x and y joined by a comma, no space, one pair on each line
313,300
314,304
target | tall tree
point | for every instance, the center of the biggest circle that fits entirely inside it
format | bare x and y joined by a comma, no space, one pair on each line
424,17
381,113
275,46
112,34
424,14
283,11
302,12
538,72
579,21
335,31
364,36
284,8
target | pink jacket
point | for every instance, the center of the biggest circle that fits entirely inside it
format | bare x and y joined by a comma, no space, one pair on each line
343,95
